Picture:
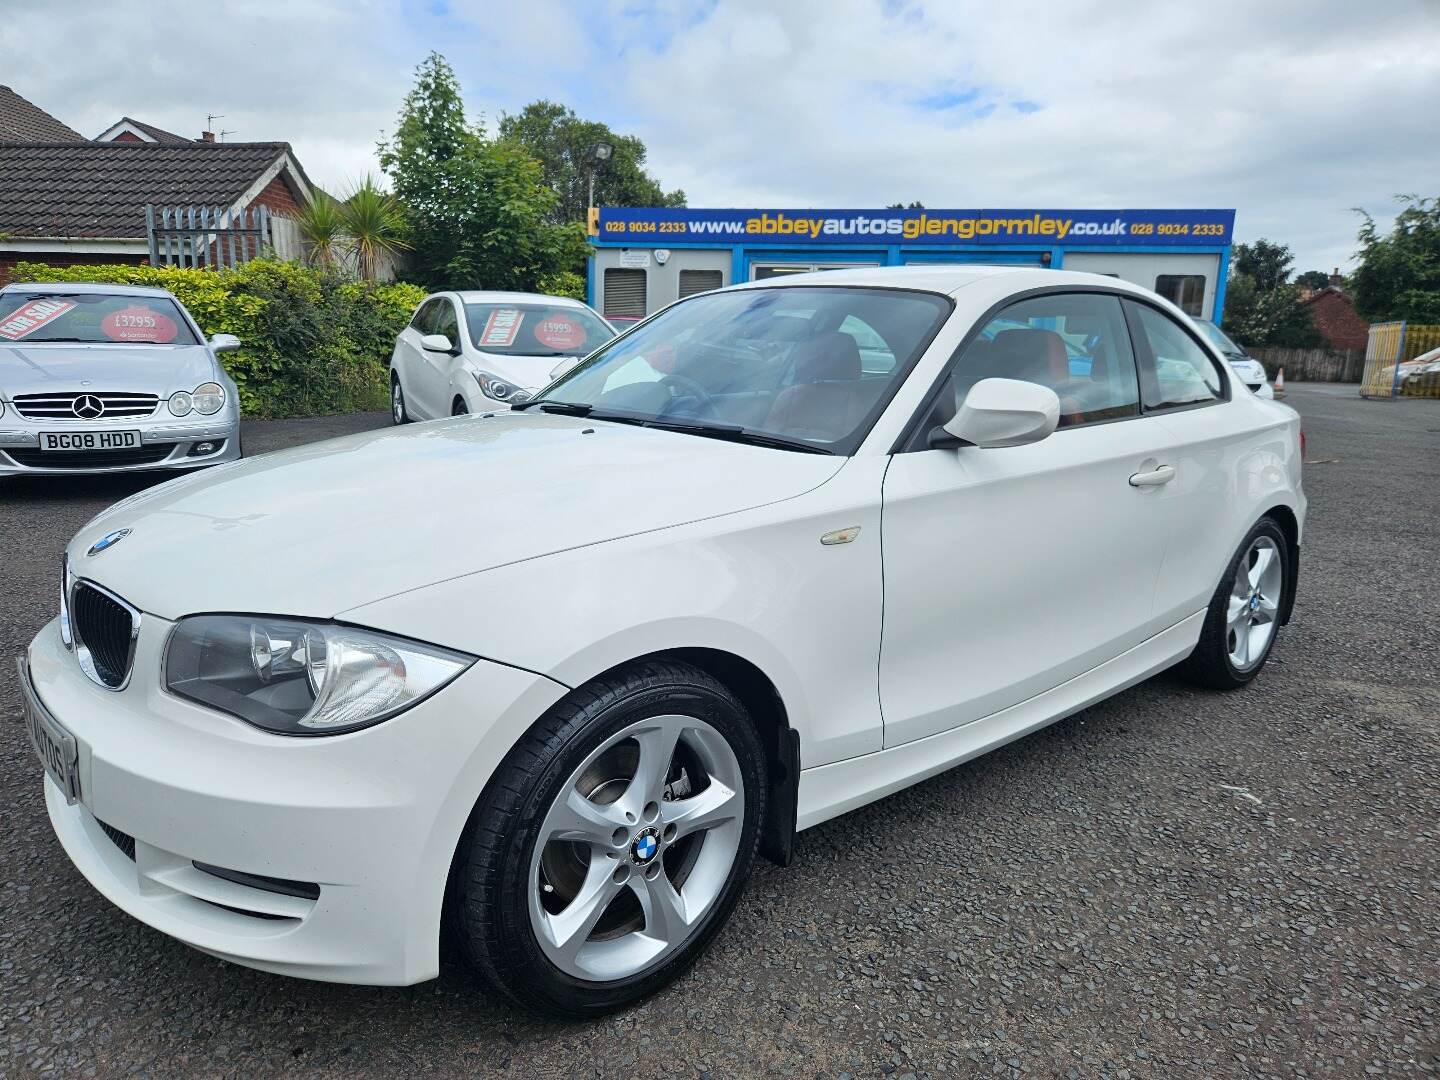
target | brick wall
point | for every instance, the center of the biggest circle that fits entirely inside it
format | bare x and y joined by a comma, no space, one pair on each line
8,259
278,198
1337,320
127,136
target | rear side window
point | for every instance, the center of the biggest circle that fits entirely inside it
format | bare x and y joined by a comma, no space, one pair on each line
1185,291
1077,344
424,320
1174,370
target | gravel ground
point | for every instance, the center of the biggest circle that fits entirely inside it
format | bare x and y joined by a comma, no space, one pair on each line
1170,883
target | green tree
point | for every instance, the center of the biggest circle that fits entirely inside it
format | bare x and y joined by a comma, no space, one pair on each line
563,143
478,212
1314,280
914,205
1399,272
1262,305
322,229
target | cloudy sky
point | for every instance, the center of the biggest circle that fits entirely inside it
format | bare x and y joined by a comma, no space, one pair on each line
1292,113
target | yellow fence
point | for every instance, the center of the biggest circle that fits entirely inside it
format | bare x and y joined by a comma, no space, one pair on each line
1388,370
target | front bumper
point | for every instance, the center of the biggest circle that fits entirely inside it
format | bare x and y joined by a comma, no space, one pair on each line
361,827
171,443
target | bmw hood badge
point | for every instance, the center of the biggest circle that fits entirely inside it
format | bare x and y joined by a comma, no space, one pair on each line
109,540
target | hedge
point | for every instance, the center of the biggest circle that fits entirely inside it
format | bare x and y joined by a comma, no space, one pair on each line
312,341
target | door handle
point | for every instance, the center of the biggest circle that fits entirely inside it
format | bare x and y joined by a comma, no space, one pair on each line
1161,474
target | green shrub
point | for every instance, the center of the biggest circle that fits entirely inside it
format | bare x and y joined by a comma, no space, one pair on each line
313,341
563,283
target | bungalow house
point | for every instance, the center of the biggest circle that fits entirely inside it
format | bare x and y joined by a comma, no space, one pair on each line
65,199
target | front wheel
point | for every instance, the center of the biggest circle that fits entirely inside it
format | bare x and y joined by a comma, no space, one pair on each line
1244,613
613,841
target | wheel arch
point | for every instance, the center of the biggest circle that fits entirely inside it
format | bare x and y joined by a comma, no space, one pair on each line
1285,518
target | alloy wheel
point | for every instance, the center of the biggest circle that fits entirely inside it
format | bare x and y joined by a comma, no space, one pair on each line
1254,606
397,402
636,848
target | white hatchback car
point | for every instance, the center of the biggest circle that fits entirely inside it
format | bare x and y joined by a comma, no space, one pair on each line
776,552
469,352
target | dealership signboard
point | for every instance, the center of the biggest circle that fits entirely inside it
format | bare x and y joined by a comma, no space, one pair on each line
646,226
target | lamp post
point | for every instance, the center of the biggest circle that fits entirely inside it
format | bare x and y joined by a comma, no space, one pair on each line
599,154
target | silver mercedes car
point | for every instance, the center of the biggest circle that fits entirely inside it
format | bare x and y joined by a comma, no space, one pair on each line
110,378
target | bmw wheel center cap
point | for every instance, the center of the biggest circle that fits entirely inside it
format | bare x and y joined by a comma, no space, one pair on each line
643,849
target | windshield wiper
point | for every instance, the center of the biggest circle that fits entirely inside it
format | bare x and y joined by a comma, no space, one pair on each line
563,408
736,433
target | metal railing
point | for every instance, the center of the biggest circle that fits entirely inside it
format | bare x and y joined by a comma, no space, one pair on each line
205,236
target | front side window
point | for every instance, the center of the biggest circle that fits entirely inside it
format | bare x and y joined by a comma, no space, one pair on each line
92,318
424,319
446,323
783,362
535,329
1076,344
1185,291
1174,370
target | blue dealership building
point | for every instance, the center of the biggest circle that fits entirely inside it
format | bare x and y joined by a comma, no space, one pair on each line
647,257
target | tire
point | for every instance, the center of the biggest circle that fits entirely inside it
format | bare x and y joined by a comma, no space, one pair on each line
459,408
399,411
1238,606
515,879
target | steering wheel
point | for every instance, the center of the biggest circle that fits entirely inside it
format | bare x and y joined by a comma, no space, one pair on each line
689,387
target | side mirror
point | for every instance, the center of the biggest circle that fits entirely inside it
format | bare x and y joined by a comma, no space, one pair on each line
224,343
1001,412
436,343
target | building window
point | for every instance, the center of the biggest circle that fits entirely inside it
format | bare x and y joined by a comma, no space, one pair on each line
1185,291
698,281
624,293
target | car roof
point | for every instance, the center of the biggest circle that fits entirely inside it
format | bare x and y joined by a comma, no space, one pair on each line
87,287
496,296
947,279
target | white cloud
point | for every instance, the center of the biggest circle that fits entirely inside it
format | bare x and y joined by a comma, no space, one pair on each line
1291,115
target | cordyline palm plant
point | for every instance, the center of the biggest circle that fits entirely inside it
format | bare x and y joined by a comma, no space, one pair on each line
367,225
374,226
323,230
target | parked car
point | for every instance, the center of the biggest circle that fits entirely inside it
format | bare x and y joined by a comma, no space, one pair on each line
1422,374
469,352
110,378
555,675
1250,370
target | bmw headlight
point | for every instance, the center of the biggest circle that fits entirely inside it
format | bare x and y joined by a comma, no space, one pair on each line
492,386
209,398
296,677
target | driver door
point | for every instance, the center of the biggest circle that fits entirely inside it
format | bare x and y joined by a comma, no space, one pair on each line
1009,571
434,369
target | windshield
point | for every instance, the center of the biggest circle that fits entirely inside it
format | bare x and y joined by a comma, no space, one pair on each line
1218,337
92,318
535,329
807,368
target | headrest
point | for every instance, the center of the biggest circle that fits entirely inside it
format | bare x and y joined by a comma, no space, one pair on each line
832,357
1034,355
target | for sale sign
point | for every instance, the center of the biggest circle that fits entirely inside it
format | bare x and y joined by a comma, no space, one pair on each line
26,320
501,328
559,331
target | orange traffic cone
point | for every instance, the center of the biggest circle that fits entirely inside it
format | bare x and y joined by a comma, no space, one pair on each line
1280,383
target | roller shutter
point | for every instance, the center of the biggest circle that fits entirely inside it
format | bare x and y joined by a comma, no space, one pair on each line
696,281
624,293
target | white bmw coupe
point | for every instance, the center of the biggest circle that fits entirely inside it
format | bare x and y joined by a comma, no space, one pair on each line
550,678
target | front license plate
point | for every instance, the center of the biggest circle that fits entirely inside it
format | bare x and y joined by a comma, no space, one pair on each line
54,745
62,441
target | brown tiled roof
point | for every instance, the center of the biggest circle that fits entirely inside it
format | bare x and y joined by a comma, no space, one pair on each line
160,135
100,189
24,121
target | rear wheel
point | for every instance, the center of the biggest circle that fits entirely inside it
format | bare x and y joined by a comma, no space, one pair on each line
398,412
1244,614
613,842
